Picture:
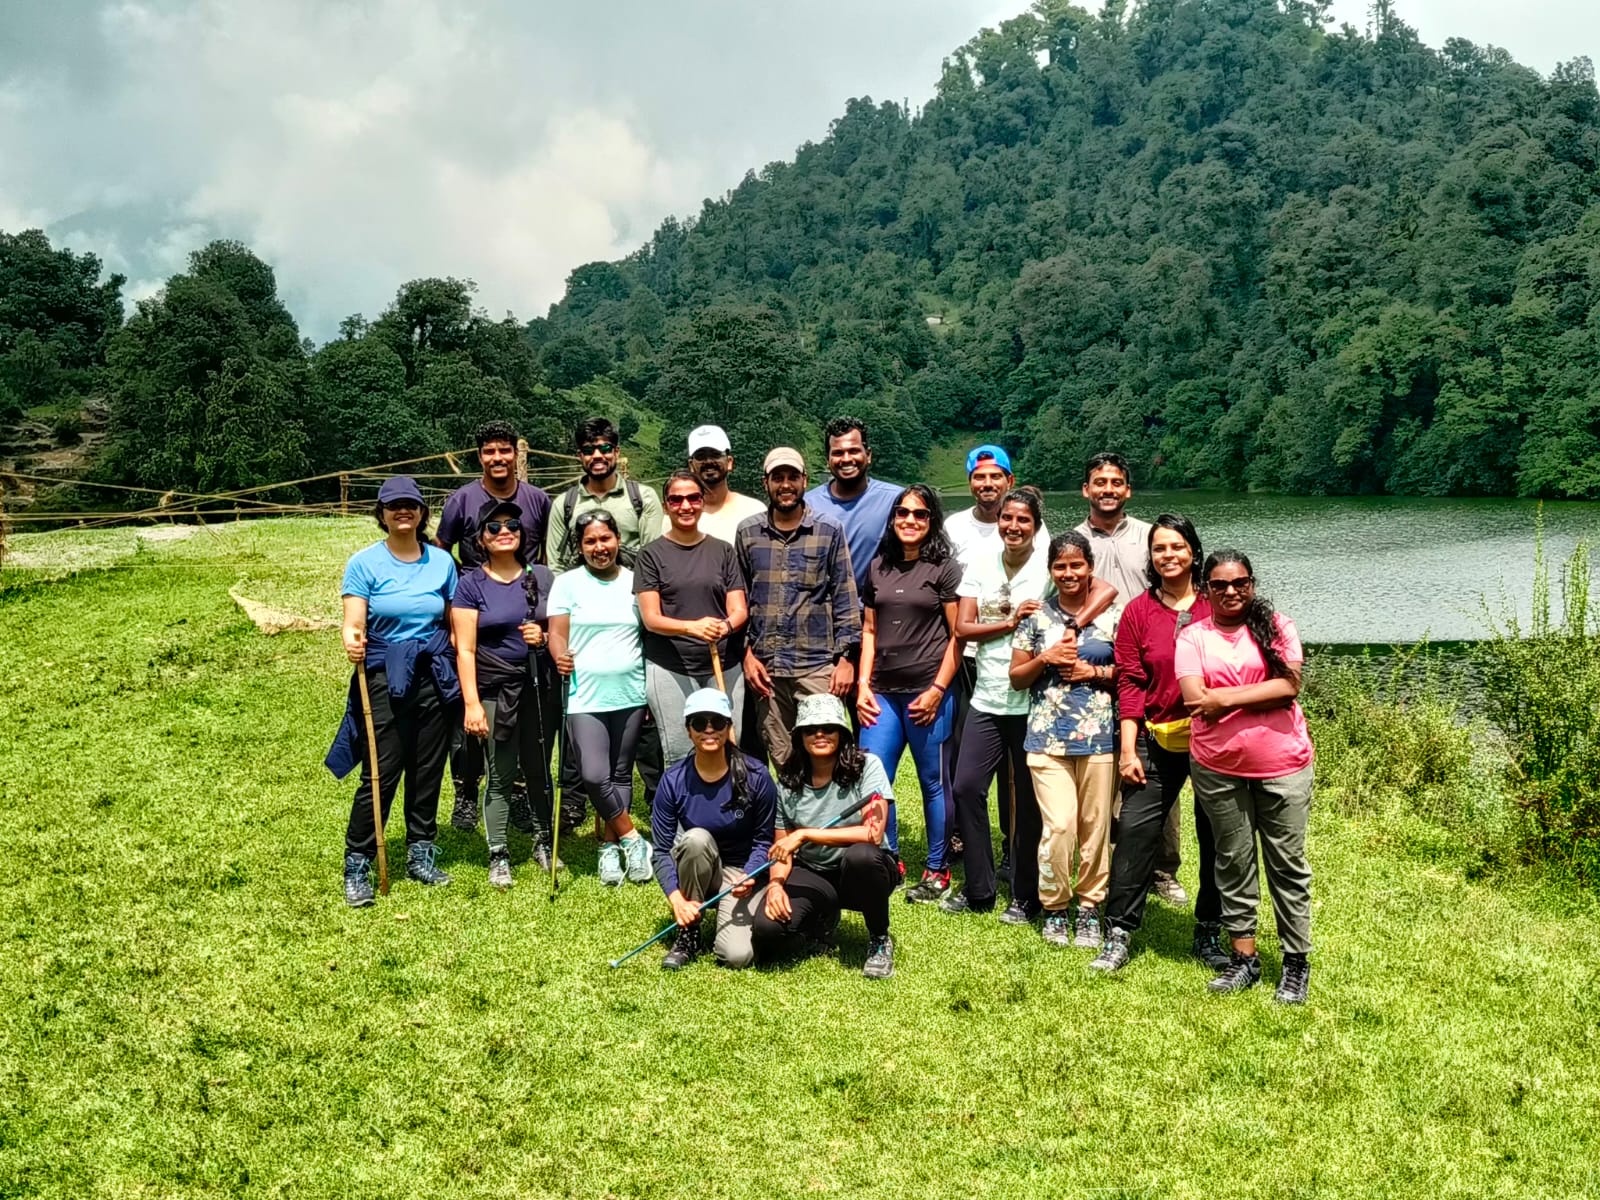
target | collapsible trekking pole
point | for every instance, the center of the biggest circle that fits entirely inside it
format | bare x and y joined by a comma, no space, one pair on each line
839,820
377,780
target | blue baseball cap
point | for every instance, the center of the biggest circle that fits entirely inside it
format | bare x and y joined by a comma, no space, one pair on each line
401,487
997,453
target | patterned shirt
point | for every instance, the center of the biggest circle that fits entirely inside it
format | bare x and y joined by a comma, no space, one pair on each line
1069,719
804,611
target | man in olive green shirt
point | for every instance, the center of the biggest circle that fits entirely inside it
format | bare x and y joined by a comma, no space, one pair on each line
635,506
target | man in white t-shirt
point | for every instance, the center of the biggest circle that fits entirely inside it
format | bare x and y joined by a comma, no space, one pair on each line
711,460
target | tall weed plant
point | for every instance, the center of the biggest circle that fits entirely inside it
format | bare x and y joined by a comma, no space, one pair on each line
1541,687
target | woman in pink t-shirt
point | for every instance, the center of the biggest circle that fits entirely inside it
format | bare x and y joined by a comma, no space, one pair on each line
1250,762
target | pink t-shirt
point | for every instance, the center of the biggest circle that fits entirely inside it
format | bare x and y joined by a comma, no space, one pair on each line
1252,745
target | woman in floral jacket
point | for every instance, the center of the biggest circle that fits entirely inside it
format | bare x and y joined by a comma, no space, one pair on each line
1068,669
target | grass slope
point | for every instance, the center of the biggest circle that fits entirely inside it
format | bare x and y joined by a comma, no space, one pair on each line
186,1007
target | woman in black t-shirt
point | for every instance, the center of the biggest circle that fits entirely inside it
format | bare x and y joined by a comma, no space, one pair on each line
691,597
909,656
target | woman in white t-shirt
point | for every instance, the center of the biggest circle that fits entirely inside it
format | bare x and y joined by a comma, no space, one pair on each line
596,643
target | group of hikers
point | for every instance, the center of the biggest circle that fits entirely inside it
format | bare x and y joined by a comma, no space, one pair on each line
700,635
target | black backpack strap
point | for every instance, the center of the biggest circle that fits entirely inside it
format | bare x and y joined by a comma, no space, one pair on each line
635,498
569,506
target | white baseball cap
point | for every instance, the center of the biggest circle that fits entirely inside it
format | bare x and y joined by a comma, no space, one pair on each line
709,437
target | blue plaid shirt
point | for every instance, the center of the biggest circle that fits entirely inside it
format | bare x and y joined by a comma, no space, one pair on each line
804,611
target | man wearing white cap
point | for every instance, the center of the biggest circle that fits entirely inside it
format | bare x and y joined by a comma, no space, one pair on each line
711,460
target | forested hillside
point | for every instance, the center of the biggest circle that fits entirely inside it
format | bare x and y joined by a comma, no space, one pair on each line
1238,247
1206,232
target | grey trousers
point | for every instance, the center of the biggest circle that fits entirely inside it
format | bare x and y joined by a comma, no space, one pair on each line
665,691
701,873
1276,811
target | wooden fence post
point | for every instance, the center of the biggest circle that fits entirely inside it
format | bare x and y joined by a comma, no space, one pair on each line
522,459
344,495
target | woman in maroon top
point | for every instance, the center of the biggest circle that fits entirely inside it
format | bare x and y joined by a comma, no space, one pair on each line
1154,753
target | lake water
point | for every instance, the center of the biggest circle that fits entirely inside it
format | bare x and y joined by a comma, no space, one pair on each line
1379,569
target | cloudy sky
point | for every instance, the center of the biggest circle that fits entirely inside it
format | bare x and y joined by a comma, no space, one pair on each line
356,144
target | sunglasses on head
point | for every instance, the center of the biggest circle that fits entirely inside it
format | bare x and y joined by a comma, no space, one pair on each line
1231,585
920,515
594,448
593,515
708,723
509,525
689,501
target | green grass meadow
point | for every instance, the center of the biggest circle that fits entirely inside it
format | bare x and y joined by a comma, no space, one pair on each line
187,1008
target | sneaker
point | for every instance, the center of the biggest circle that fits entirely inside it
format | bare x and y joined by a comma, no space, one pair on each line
1208,946
1244,971
685,948
419,864
1114,954
464,814
1296,980
521,814
1165,887
880,958
957,902
1086,930
611,870
1018,913
499,867
1003,871
357,880
636,853
932,888
541,857
1057,928
901,863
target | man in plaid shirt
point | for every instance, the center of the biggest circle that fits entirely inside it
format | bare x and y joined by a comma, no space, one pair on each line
805,617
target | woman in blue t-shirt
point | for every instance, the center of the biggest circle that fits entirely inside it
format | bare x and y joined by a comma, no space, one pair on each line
596,641
397,595
506,679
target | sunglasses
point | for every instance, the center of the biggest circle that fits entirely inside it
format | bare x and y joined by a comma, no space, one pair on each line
594,448
685,501
708,456
509,525
809,731
1004,606
708,723
402,506
920,515
1221,586
1184,618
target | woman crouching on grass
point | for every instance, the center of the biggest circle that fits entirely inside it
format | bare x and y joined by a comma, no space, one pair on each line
1250,762
595,641
397,595
506,682
817,872
712,824
1065,657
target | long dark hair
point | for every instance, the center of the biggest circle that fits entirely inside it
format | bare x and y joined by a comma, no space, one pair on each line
1259,616
795,774
936,548
1184,528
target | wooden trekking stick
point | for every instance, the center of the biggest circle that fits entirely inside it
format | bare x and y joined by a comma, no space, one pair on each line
377,780
716,672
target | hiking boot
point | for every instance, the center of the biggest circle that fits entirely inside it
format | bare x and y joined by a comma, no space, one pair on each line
572,812
957,902
685,948
1018,913
521,814
1208,946
880,958
1296,980
499,867
1057,928
541,856
611,870
1003,871
1243,971
464,815
1114,954
1165,887
357,880
1086,930
636,853
932,888
419,864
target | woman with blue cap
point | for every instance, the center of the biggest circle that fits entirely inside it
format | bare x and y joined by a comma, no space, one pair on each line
711,824
397,595
817,872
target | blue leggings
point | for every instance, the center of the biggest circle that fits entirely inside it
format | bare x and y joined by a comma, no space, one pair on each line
889,738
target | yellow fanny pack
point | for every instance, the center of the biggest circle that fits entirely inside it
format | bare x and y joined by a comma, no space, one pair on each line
1172,736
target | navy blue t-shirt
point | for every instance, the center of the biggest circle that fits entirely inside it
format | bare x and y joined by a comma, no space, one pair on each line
458,523
502,608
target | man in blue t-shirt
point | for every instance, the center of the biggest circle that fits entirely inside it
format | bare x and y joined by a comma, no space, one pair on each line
859,503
